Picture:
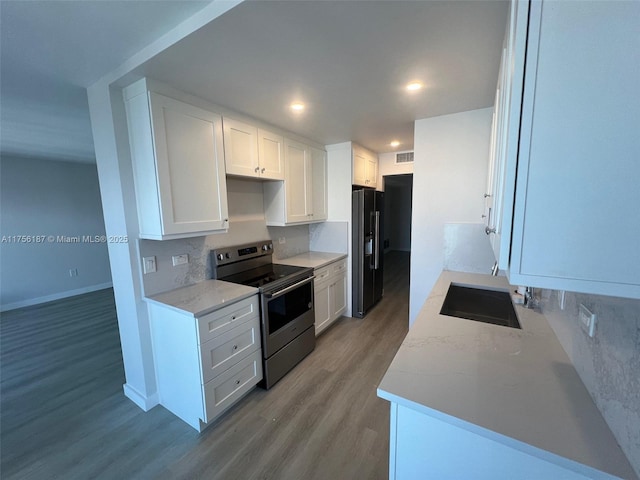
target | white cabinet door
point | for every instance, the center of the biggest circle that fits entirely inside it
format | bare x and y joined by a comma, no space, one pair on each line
297,181
505,135
271,155
575,223
359,167
302,196
322,306
319,185
372,171
189,161
338,293
365,167
241,148
330,293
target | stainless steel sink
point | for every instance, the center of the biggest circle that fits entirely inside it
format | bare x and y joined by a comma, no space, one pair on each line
481,305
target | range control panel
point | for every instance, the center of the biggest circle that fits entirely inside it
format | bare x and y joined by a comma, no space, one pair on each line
225,256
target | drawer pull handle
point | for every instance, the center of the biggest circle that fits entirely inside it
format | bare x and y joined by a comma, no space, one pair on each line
235,347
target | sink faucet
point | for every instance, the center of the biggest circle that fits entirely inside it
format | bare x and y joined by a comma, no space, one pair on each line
530,298
495,269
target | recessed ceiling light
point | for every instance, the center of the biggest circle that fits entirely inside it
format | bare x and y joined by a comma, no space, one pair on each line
297,106
395,143
414,86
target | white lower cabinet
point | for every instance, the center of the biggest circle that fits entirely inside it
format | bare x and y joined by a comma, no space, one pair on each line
422,446
330,293
204,365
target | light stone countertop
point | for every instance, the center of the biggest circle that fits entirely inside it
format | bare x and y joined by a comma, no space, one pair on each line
202,298
312,259
517,387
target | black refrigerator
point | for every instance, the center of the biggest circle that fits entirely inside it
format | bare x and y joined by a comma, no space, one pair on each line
367,216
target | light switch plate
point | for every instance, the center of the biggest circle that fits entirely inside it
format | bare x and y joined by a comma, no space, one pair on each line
148,264
587,320
180,259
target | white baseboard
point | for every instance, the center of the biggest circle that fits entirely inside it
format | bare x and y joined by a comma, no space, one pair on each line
145,403
55,296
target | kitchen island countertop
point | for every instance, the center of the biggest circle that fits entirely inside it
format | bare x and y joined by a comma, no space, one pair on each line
516,387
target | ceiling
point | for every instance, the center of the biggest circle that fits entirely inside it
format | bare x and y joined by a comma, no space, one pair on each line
348,61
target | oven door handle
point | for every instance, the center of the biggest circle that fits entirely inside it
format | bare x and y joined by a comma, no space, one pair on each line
289,288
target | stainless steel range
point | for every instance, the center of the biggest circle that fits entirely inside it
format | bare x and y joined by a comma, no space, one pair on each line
286,303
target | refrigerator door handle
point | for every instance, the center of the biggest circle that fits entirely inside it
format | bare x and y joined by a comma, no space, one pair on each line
376,243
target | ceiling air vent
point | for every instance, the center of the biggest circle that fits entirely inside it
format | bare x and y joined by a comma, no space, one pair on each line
404,157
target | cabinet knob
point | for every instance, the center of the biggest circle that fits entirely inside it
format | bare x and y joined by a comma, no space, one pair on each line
235,347
257,169
226,220
489,231
237,382
262,171
233,318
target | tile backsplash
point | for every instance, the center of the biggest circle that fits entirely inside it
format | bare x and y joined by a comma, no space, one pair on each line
168,277
608,363
296,240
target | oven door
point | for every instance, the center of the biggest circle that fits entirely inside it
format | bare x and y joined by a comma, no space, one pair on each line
286,313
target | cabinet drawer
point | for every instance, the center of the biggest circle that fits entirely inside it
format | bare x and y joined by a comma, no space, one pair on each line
339,267
226,318
220,353
226,388
322,273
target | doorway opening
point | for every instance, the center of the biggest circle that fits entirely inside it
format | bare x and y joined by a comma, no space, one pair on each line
398,193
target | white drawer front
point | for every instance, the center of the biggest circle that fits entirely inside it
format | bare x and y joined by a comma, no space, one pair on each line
339,267
226,388
322,274
226,318
220,353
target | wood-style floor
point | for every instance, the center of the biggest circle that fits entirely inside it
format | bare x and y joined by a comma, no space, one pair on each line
63,413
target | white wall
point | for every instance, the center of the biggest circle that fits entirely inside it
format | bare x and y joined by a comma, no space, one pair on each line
50,198
450,170
387,166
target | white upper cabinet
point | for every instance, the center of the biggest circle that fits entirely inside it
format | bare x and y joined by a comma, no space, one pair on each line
252,152
297,168
576,149
505,134
240,148
271,155
319,203
302,196
365,167
178,165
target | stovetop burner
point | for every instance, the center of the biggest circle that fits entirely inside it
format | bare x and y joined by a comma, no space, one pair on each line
251,265
263,276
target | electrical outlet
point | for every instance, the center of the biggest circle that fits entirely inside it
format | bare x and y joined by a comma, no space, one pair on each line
180,259
149,265
282,240
587,320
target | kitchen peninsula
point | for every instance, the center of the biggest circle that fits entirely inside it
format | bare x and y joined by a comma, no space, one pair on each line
474,400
